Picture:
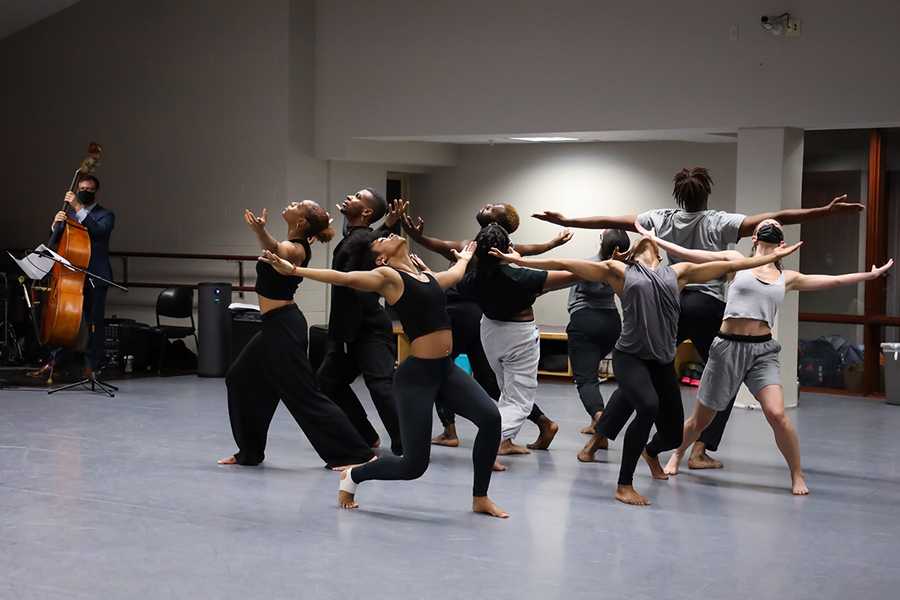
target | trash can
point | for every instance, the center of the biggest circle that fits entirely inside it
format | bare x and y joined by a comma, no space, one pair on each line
891,353
213,329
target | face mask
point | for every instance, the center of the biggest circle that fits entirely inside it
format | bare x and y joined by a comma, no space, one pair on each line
85,197
770,234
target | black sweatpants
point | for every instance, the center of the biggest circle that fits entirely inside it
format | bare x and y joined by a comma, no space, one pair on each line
700,320
418,384
658,403
274,366
372,354
465,322
592,334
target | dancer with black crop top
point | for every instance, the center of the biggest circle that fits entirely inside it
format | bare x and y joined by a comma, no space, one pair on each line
510,338
744,351
644,354
275,365
427,375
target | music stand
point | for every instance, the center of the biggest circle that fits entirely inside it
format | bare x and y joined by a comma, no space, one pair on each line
92,381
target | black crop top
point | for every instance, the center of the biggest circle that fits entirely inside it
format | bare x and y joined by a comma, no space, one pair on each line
275,286
422,308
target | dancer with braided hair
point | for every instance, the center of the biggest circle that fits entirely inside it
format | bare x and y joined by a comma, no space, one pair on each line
509,335
644,354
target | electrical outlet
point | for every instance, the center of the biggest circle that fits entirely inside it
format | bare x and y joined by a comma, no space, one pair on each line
792,28
733,33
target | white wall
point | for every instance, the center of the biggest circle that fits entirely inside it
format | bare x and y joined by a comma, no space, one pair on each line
575,179
411,68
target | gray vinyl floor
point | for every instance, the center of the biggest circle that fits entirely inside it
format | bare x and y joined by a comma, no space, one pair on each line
122,498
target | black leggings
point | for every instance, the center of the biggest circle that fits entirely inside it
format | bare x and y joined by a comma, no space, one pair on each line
465,322
700,320
592,334
418,383
658,403
273,366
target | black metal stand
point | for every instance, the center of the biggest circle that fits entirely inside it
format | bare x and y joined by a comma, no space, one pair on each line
105,388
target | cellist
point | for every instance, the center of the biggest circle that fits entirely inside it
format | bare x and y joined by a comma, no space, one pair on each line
99,223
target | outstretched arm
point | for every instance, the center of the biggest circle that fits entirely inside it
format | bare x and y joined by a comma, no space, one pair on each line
447,279
532,249
625,222
380,280
693,273
807,283
838,206
682,253
417,232
607,271
286,250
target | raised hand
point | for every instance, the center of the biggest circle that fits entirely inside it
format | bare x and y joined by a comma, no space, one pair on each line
467,253
415,231
396,210
550,216
879,271
840,206
508,257
562,237
419,263
783,251
282,266
651,233
257,224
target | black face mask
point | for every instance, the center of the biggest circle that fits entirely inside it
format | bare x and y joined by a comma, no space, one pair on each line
770,234
85,197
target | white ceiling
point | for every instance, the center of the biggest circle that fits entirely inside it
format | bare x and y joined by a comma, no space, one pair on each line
19,14
683,135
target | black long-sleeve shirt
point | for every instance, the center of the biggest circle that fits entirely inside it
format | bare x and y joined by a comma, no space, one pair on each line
350,308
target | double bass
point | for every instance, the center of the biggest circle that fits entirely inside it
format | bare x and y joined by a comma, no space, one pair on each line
61,319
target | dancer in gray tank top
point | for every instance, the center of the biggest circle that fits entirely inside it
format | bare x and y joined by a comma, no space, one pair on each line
744,351
644,354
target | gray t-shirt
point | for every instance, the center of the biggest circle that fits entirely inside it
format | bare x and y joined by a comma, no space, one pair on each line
650,309
591,294
702,230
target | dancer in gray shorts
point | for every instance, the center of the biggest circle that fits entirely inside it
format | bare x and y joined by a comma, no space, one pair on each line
744,351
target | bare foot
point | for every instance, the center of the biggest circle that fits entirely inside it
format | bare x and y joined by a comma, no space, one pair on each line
655,469
448,438
343,468
228,461
345,499
590,430
507,447
597,442
483,504
499,467
702,460
547,432
376,444
799,486
626,494
674,463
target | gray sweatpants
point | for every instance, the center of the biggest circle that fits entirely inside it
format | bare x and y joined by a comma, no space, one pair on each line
513,350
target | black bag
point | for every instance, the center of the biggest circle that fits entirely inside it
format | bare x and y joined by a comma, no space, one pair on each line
820,365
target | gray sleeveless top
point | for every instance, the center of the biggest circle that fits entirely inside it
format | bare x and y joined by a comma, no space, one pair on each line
750,298
650,309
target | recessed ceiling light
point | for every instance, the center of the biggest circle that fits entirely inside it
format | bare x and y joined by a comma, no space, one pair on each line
545,139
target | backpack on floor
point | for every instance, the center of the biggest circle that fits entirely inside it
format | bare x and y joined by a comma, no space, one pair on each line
820,365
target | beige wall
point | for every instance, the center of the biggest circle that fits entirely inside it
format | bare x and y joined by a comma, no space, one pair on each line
576,179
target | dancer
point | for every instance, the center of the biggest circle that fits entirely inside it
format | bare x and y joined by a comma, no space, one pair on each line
360,333
510,338
426,375
693,226
275,366
744,351
594,326
465,317
644,354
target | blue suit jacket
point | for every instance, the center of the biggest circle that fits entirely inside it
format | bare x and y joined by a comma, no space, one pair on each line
99,223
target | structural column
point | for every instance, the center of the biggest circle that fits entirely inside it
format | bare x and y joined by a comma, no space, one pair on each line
769,179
